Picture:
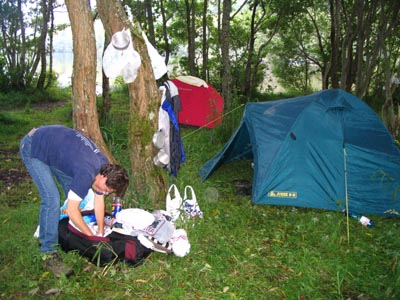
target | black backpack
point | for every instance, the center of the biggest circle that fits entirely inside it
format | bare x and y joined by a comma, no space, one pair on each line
102,250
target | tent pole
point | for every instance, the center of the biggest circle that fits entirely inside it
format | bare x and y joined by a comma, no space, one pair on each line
347,198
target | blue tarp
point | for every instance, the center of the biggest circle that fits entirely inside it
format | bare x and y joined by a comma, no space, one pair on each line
315,151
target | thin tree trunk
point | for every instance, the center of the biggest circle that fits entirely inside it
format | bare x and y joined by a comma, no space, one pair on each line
333,69
150,22
226,72
191,31
51,35
167,47
204,42
21,83
250,51
391,120
45,9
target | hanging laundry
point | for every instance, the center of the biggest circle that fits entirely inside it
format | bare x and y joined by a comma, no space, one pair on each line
172,105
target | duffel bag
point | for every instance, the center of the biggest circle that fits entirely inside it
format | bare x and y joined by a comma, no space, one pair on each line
102,250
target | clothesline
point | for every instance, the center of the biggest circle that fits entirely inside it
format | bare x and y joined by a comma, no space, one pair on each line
220,117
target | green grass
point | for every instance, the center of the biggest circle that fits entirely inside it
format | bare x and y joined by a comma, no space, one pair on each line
238,250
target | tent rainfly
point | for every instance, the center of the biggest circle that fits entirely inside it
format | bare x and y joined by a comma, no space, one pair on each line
318,151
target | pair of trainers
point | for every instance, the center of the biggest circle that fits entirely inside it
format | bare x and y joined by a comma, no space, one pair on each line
54,263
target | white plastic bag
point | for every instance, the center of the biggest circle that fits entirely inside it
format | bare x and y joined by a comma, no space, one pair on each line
190,206
173,202
157,61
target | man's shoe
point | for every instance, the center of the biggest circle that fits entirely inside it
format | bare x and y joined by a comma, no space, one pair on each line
53,263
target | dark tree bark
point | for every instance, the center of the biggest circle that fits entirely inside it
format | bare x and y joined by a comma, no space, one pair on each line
21,70
167,46
226,67
333,68
150,22
191,31
42,55
390,114
250,50
51,35
204,72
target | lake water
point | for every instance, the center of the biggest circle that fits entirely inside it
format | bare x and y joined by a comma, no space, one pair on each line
63,54
63,65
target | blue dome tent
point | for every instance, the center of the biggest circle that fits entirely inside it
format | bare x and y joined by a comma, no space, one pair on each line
317,151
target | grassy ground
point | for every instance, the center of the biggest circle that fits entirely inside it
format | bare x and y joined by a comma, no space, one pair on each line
239,250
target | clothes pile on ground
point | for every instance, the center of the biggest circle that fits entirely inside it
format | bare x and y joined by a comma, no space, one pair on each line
134,233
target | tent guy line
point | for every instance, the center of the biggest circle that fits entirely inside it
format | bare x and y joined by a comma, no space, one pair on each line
205,125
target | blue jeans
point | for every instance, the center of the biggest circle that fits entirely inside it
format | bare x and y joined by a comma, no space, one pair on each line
42,175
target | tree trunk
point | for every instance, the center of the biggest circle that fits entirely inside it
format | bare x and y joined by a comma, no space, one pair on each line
106,107
45,9
191,31
84,73
369,25
389,117
150,22
167,46
335,35
51,35
205,43
226,72
250,51
20,80
148,181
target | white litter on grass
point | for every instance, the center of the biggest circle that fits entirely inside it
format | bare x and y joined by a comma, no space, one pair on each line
180,243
